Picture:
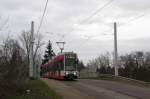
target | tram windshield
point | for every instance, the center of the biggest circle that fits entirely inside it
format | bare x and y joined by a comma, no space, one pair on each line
70,62
70,65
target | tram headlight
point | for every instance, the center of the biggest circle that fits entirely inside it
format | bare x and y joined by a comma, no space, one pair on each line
66,73
75,73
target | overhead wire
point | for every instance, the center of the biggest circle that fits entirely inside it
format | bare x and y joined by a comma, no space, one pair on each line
97,11
88,18
100,9
92,15
129,21
41,21
136,18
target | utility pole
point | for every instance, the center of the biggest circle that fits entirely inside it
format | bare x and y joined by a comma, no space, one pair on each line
61,45
115,49
31,67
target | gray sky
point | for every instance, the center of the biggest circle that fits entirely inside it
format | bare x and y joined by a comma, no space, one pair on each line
88,38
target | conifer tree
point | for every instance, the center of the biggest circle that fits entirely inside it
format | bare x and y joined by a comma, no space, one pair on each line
49,53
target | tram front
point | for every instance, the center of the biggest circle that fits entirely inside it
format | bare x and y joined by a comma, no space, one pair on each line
70,66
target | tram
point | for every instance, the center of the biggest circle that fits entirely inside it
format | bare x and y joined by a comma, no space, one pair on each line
63,66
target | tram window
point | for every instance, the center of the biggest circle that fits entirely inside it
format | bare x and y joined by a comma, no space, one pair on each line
55,67
46,68
43,70
59,67
62,65
49,67
52,67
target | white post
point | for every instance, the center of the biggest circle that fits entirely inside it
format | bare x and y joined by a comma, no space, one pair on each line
31,67
115,50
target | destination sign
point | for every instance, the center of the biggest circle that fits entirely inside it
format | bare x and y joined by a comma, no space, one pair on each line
70,56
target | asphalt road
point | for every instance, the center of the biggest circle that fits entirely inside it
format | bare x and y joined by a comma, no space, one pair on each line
98,89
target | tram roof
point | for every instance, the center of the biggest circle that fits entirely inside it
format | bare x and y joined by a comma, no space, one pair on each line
59,56
63,53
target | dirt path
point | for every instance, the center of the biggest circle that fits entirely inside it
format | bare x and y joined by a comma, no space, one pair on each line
97,89
123,89
66,91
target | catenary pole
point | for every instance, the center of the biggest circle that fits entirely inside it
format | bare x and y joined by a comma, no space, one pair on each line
31,67
115,50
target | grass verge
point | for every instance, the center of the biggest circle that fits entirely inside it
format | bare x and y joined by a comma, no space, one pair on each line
37,89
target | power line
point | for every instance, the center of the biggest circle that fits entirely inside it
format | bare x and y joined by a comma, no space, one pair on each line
131,20
137,17
98,10
42,17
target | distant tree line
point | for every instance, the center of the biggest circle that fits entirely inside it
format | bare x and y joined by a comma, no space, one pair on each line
135,65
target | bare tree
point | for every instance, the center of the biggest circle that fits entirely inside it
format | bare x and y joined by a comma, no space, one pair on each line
26,42
37,45
11,52
102,60
26,39
13,68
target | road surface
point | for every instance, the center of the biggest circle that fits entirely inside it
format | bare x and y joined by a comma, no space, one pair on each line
97,89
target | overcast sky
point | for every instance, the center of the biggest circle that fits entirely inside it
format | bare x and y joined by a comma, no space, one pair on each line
89,38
